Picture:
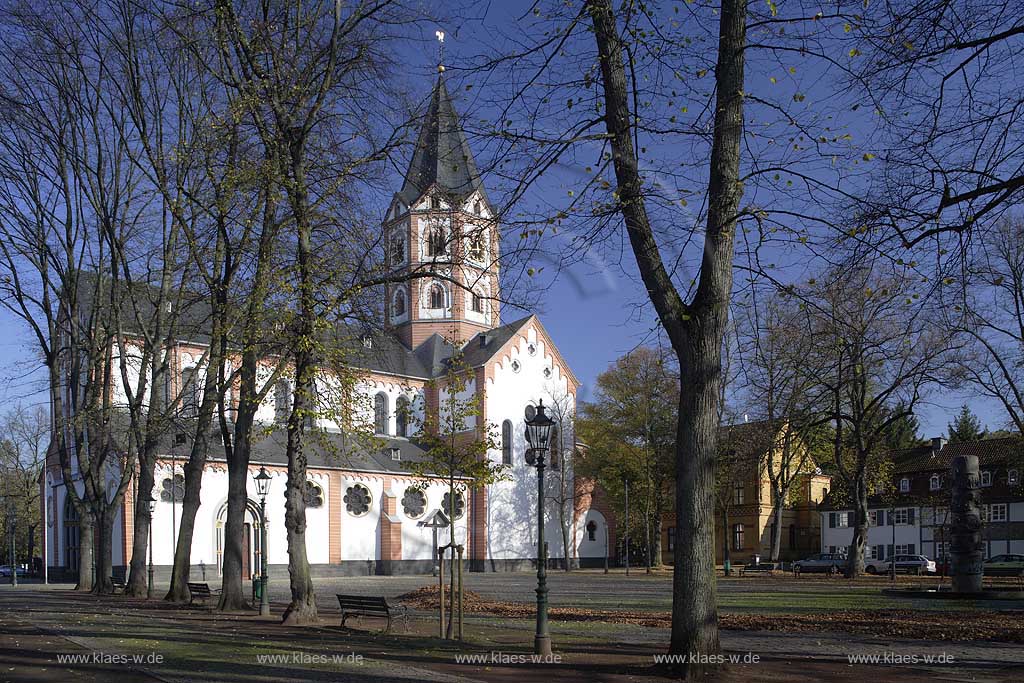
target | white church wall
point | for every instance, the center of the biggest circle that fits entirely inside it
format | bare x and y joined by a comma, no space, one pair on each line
586,548
360,535
520,379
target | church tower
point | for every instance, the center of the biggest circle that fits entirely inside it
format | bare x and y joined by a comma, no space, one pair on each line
441,223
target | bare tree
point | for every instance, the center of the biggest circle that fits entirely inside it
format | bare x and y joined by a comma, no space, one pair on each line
878,351
22,457
988,308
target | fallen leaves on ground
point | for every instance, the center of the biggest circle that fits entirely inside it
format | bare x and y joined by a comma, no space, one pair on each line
1004,627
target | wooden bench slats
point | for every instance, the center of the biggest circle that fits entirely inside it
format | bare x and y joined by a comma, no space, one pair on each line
200,590
368,606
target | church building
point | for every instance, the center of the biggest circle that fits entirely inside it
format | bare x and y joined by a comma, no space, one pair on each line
367,513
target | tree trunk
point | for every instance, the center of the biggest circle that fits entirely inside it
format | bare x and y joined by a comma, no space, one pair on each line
855,555
726,558
232,597
138,579
696,330
776,540
181,570
302,609
656,540
86,550
563,520
104,548
31,547
694,594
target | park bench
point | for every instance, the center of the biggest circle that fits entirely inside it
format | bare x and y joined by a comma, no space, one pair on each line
367,606
200,590
118,584
762,568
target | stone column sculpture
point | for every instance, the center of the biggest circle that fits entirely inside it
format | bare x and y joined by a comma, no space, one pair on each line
966,547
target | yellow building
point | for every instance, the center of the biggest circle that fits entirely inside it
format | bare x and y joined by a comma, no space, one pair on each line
743,508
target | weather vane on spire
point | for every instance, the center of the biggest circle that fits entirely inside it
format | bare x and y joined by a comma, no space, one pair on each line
440,50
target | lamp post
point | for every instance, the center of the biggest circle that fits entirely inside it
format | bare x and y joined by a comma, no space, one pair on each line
149,585
262,479
11,528
538,431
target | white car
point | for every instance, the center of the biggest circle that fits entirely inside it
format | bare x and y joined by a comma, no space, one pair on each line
907,564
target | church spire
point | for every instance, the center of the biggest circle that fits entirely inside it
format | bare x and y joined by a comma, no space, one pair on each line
442,156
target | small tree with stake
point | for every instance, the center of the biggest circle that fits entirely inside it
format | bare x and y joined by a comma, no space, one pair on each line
456,441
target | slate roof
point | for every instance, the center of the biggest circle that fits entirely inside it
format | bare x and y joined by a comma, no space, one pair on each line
442,155
989,452
750,440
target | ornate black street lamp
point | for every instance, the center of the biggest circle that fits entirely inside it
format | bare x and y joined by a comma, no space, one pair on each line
262,479
149,587
538,432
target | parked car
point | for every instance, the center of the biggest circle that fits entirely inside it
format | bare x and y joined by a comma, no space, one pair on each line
1004,565
822,562
910,564
5,570
876,566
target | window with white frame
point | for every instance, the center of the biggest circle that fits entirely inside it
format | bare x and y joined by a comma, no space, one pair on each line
904,485
901,516
907,549
838,520
986,477
873,518
997,512
935,482
1012,477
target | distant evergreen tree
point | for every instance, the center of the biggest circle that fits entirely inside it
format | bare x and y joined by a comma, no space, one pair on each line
903,432
965,426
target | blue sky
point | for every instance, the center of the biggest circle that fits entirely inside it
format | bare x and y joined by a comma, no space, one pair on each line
591,311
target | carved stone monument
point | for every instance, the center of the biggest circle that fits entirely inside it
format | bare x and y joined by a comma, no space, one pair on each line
966,547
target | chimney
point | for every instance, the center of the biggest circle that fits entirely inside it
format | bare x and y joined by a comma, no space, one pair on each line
937,443
746,418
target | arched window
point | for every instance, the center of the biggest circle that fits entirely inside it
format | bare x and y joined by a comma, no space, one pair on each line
554,445
435,242
935,482
478,303
72,535
737,537
282,401
380,413
397,248
402,416
506,442
436,296
191,396
591,530
398,310
477,246
904,485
